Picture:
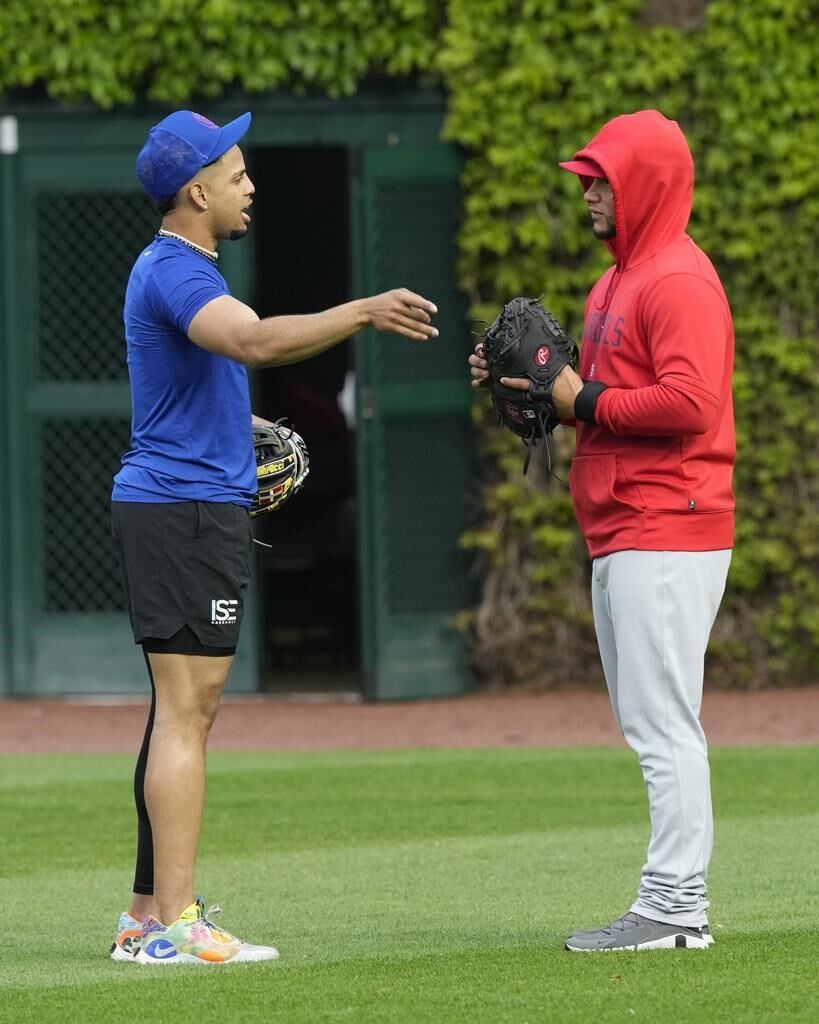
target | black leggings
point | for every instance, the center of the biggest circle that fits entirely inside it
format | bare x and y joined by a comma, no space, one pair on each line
144,877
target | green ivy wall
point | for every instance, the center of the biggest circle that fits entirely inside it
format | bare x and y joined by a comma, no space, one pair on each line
528,83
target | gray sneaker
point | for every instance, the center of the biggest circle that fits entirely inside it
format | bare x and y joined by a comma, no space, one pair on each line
633,931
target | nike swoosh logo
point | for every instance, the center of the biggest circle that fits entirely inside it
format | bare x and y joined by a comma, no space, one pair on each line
161,949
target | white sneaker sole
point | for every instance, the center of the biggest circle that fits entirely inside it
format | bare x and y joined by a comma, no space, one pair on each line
243,957
666,942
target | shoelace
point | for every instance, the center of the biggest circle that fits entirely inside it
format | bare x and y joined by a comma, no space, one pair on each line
622,923
216,909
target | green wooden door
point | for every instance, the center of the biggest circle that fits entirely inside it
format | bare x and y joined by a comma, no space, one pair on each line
417,485
79,222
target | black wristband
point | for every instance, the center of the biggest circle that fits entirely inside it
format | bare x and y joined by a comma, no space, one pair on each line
586,401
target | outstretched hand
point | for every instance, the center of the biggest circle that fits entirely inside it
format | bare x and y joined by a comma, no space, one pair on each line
402,312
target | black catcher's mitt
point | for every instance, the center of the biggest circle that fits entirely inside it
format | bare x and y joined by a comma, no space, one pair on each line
282,465
525,340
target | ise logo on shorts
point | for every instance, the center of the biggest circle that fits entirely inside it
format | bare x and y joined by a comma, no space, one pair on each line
223,612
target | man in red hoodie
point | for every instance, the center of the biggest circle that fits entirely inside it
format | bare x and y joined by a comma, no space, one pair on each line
651,487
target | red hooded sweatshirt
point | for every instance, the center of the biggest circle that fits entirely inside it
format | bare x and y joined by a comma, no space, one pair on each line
655,455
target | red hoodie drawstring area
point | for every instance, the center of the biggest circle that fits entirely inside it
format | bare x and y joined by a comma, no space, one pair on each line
610,290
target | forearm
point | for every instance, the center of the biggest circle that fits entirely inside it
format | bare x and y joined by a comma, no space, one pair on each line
279,340
232,329
660,410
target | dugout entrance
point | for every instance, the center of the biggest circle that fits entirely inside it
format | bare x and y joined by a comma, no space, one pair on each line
307,579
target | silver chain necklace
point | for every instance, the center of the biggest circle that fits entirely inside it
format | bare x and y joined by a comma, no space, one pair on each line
212,256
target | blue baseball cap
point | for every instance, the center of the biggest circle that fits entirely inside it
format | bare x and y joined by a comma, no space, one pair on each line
180,146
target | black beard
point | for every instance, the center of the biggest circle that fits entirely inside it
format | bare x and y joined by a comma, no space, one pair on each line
235,236
604,234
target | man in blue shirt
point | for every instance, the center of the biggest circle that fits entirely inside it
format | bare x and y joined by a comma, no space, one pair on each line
180,501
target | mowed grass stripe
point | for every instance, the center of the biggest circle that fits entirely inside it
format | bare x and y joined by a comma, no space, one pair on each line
273,802
327,905
759,978
441,924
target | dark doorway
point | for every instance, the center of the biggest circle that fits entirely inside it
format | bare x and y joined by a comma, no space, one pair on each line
308,583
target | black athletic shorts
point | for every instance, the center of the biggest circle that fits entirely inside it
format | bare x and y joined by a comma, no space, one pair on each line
184,564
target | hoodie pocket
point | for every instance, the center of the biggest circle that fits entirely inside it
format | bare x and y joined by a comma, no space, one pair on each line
603,498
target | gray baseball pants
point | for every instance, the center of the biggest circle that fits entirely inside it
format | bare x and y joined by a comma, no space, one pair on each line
653,613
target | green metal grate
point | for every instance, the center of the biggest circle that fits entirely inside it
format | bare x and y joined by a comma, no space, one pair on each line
86,244
79,458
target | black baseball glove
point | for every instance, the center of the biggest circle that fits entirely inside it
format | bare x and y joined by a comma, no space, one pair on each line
282,465
526,341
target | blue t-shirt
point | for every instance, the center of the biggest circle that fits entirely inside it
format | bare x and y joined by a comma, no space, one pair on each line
191,425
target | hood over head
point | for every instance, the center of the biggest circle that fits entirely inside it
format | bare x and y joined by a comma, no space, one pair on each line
646,159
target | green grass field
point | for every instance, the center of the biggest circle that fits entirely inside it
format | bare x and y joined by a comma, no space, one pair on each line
421,886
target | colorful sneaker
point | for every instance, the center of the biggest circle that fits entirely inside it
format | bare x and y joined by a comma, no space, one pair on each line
129,938
633,932
195,939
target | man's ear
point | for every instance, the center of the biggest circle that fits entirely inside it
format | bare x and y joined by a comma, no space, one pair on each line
199,195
